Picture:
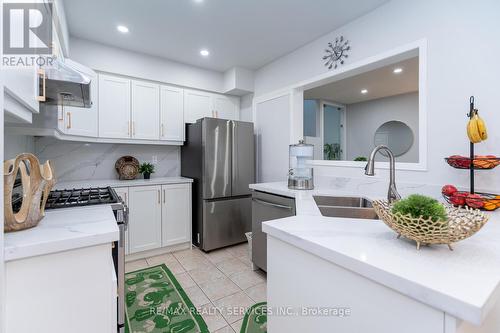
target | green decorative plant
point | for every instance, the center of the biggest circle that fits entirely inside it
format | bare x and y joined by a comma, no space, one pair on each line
421,206
146,169
332,151
360,159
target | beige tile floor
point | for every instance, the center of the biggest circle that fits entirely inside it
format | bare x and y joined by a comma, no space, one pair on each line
221,284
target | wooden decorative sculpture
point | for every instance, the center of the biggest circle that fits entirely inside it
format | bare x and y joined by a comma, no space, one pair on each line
37,181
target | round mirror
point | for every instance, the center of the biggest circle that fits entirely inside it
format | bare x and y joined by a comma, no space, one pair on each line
396,135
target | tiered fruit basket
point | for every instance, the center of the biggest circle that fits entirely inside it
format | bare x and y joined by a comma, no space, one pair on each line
472,199
478,162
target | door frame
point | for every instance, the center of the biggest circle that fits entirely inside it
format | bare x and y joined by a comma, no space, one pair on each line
343,119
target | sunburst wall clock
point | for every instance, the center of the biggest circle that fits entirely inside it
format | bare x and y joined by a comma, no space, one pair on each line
336,52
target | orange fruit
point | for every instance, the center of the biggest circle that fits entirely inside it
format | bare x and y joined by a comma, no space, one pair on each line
488,205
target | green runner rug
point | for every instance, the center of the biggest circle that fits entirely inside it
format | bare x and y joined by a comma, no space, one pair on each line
255,320
156,303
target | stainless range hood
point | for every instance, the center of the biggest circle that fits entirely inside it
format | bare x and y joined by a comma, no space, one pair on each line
67,84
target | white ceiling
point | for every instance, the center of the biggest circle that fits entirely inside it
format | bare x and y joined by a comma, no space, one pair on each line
246,33
381,82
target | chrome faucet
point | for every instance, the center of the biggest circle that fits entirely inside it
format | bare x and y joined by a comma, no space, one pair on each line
393,194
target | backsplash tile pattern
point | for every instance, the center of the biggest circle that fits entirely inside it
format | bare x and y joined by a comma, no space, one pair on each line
90,161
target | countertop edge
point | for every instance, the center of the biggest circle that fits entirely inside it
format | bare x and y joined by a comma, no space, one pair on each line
263,188
471,313
60,246
123,183
59,232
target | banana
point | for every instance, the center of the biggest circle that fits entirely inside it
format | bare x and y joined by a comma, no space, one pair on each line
473,130
481,126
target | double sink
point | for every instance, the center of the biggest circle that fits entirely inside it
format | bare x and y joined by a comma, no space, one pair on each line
346,207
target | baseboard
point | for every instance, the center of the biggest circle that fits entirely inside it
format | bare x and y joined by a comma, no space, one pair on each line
157,252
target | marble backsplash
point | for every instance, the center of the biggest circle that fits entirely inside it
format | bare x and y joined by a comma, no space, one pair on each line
91,161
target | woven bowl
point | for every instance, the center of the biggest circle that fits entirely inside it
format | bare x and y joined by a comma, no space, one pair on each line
461,224
127,167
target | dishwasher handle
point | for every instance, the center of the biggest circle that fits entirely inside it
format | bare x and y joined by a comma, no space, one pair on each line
271,204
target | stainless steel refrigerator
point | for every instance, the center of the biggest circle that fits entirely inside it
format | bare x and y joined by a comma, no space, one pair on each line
219,155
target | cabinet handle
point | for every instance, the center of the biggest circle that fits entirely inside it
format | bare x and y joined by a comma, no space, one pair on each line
69,120
125,195
159,196
42,75
162,134
133,128
216,114
128,128
164,196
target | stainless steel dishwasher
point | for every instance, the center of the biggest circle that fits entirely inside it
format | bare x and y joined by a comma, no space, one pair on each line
266,207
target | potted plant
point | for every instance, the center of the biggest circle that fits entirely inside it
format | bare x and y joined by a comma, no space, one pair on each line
147,169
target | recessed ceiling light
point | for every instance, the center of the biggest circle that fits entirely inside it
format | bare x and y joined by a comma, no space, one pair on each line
198,1
364,91
122,29
204,53
397,70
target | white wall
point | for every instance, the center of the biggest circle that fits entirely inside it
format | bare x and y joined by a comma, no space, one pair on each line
462,60
363,120
246,111
111,59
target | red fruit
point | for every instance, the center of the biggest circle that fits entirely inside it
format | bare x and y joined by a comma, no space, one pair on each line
458,198
448,190
474,201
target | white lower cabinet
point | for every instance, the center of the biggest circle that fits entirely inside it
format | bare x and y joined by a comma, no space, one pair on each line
176,214
159,216
144,218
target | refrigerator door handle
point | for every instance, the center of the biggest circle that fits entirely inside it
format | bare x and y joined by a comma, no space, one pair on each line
234,154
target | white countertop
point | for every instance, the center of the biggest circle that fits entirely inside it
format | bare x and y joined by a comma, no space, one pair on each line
464,283
121,183
62,230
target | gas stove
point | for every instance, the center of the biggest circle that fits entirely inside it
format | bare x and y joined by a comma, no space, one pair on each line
81,197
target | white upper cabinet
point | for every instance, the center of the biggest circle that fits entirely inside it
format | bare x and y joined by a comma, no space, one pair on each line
81,121
125,110
145,110
171,113
226,107
114,107
197,104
